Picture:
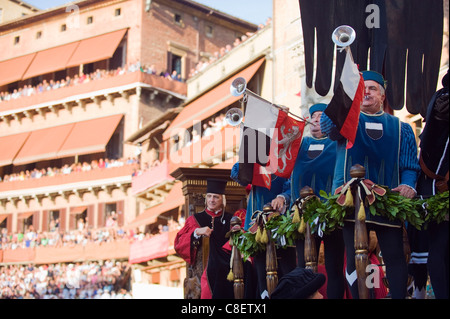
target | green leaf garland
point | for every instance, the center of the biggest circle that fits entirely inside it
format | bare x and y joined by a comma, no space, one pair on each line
329,215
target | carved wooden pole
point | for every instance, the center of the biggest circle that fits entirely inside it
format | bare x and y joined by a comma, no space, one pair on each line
271,265
310,242
238,267
271,259
361,239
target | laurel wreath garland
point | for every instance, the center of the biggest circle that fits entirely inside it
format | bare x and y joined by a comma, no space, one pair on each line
397,207
324,216
435,208
246,244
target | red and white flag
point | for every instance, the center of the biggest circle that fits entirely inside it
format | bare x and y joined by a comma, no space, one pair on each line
269,144
345,106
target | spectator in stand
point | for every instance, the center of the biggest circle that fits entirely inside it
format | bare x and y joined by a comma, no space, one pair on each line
111,221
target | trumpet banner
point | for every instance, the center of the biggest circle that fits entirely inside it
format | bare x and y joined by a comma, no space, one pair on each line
270,143
344,107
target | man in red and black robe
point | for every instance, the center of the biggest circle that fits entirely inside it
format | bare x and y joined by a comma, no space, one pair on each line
213,223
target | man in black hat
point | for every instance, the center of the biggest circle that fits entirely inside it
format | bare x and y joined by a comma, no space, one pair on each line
212,223
300,283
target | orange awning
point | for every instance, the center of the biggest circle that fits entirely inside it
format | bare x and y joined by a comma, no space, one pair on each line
12,70
96,48
173,200
90,136
211,102
10,146
51,60
77,210
43,144
3,217
25,215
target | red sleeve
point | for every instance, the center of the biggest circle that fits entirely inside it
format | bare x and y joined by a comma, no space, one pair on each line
183,241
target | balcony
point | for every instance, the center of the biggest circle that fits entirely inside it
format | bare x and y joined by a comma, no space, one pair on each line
91,92
106,179
136,251
256,46
153,184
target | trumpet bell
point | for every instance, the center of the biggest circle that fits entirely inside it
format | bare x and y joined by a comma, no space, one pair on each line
343,36
238,86
234,116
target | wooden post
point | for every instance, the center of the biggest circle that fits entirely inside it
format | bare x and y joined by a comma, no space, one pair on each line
271,265
310,241
271,258
361,239
238,266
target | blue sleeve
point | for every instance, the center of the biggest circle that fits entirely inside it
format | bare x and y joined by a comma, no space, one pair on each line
408,161
234,171
327,126
234,175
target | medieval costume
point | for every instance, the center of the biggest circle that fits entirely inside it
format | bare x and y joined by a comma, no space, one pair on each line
214,283
257,198
387,149
314,167
433,179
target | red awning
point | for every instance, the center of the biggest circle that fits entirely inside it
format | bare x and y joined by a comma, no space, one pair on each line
90,136
173,200
79,138
77,210
12,70
25,215
210,103
10,146
3,217
51,60
96,48
43,144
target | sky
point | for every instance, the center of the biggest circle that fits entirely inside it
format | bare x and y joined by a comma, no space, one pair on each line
254,11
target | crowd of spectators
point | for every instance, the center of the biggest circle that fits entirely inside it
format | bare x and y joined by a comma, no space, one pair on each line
107,279
82,235
50,85
67,169
202,64
208,127
77,79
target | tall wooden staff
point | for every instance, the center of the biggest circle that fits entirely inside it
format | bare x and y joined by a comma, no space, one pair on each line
238,267
271,257
361,239
310,242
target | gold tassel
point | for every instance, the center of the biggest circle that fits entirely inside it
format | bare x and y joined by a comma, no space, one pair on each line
302,227
361,212
258,235
348,198
296,216
230,276
264,237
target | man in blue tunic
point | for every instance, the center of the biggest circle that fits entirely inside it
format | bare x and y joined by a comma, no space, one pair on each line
314,167
257,198
387,149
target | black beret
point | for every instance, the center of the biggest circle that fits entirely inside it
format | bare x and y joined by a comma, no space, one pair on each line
300,283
